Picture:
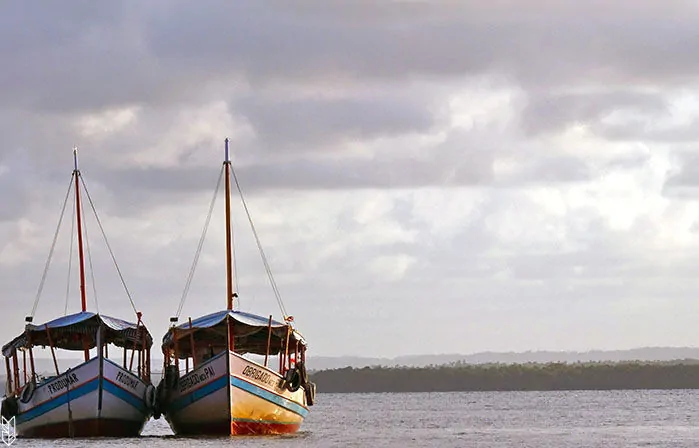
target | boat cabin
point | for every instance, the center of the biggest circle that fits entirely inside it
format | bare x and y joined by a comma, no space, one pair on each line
199,340
87,332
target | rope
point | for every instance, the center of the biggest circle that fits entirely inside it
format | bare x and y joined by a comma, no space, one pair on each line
53,246
89,258
111,253
70,259
235,268
190,276
259,246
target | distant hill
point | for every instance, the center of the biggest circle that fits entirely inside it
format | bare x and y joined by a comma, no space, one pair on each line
637,354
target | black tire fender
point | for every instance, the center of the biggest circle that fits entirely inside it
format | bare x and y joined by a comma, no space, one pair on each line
10,407
28,392
292,380
149,397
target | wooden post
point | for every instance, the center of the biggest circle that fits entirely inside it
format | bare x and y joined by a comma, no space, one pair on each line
31,362
142,353
15,365
192,346
10,381
177,348
53,351
296,354
286,346
124,353
133,353
31,354
281,358
148,365
86,349
269,338
99,342
24,365
231,334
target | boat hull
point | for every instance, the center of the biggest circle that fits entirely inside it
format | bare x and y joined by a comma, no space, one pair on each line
84,402
230,395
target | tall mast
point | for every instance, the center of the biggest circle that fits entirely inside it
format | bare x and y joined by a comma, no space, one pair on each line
76,174
229,252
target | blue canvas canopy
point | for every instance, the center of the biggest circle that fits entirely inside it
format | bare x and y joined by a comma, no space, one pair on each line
250,331
67,333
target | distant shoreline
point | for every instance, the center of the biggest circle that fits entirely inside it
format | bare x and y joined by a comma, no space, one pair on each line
679,373
639,375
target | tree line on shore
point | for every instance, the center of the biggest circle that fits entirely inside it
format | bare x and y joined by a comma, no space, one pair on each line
680,374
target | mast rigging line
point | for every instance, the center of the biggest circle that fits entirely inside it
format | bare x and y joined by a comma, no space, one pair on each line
268,270
273,283
200,244
53,246
109,247
89,256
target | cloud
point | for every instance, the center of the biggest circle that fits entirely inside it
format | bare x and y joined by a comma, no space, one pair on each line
319,123
469,169
553,113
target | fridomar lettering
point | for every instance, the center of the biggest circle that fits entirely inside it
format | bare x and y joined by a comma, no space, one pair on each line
62,383
127,380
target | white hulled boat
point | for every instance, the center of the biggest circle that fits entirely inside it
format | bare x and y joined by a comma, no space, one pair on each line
226,392
100,397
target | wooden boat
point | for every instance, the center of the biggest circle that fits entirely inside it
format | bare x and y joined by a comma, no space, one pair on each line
99,397
226,392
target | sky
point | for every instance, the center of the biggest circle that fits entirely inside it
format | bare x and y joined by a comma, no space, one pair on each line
425,177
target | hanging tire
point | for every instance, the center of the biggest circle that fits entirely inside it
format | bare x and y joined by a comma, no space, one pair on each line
310,389
301,367
292,380
149,397
161,397
28,392
172,376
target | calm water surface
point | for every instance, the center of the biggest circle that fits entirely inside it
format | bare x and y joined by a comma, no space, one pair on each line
483,419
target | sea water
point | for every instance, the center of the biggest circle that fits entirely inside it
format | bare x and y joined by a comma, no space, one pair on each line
465,419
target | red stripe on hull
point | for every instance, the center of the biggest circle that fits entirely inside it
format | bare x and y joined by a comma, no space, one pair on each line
243,428
96,427
239,428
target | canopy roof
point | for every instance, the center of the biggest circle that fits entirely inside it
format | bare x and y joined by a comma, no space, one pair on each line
67,332
250,330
